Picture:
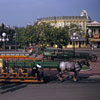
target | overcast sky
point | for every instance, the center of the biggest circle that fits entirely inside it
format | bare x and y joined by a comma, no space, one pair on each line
23,12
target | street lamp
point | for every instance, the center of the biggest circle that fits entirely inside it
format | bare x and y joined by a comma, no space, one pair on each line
73,38
3,39
3,34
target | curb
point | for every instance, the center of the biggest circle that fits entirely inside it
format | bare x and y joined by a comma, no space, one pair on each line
94,77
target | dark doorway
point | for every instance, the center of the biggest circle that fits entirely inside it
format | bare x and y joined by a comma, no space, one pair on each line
79,44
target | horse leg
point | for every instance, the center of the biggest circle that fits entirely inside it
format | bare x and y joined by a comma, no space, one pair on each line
60,76
75,76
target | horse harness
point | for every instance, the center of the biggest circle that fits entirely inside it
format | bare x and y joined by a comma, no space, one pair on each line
78,66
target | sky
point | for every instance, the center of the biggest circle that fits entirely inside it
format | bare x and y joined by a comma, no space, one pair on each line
22,12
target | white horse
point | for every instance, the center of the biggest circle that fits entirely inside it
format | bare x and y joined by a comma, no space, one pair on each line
71,66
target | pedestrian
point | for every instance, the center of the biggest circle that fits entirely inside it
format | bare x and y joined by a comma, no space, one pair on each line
35,70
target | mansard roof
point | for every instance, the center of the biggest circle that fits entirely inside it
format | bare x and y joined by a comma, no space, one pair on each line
63,18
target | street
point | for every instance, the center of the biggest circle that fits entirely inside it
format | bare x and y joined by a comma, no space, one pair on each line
50,91
96,52
87,88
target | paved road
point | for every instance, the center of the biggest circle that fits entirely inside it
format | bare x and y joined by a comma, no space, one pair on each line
96,52
86,50
50,91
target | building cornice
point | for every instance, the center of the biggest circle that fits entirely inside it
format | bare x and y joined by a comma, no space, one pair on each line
63,18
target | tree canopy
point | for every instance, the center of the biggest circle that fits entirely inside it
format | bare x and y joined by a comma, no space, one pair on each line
44,35
74,28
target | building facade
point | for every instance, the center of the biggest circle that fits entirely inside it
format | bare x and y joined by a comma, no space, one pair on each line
89,27
93,31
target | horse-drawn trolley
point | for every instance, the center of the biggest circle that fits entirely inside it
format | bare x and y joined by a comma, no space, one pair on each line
33,73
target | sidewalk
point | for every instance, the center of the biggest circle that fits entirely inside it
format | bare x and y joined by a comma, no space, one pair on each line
94,73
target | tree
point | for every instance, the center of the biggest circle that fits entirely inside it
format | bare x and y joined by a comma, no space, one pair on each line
50,35
62,36
44,34
74,28
20,37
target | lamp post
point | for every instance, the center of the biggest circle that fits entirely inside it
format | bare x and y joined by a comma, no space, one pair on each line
4,35
3,39
15,34
73,38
